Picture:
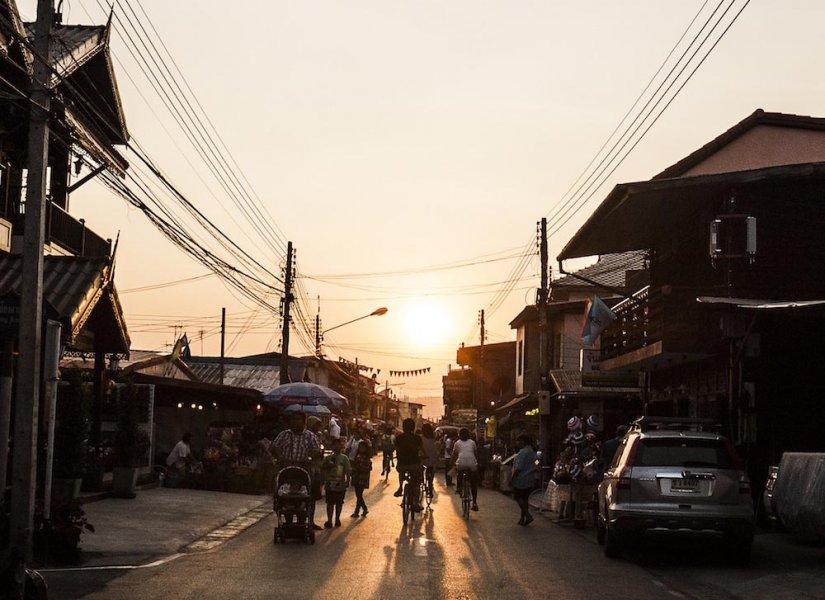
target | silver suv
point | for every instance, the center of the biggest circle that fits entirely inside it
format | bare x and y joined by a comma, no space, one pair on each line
673,475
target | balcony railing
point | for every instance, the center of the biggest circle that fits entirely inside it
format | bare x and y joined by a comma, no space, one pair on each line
660,314
69,233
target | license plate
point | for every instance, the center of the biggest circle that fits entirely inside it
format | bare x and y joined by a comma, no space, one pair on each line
684,485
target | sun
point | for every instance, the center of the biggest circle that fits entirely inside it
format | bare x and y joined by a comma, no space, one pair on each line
426,323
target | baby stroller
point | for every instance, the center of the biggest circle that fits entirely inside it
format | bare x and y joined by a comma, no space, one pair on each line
293,505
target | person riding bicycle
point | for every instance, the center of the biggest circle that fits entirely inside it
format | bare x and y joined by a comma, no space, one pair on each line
465,459
430,458
408,450
387,444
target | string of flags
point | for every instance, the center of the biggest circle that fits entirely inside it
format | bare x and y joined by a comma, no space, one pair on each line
393,373
412,373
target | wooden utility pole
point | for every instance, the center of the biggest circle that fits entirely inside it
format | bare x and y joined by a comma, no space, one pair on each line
285,328
223,342
24,469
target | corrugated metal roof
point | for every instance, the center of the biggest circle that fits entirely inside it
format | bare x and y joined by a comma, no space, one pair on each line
570,381
72,286
263,378
610,270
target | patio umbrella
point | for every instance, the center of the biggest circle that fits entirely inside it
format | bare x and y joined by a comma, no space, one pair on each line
305,393
309,409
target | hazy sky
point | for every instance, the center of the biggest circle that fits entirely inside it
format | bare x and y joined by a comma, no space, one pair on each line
388,135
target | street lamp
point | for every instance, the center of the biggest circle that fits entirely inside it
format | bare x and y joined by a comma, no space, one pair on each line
319,335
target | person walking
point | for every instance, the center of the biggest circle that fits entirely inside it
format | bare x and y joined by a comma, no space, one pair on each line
361,467
352,446
523,479
465,460
337,470
387,449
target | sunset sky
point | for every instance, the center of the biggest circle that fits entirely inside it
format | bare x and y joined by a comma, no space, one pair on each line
390,136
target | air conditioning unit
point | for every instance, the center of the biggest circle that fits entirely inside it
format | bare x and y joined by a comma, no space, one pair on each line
733,237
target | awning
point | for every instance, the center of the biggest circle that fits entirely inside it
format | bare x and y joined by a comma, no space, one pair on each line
757,304
664,205
517,403
80,293
568,382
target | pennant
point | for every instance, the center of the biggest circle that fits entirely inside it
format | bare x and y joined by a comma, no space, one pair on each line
597,316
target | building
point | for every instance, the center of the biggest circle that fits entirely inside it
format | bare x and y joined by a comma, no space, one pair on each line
726,328
484,380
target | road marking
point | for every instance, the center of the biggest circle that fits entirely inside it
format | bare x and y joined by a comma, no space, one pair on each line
156,563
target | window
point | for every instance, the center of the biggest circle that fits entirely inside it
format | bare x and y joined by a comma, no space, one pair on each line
683,453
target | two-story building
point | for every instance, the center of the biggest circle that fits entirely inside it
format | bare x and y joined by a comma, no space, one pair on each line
730,324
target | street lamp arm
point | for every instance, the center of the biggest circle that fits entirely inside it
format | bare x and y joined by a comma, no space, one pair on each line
376,313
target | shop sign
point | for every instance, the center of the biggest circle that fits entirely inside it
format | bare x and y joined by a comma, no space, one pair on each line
592,375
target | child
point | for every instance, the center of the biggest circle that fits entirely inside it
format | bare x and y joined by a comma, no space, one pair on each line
361,468
336,469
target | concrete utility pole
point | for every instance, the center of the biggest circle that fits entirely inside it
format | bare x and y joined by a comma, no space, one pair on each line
545,348
223,341
24,469
544,292
357,385
483,336
318,329
288,298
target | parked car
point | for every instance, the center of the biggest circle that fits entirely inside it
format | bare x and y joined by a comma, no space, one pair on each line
674,476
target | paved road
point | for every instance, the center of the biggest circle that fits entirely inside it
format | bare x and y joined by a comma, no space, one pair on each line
441,556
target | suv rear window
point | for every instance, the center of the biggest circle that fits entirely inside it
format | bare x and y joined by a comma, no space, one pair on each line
683,453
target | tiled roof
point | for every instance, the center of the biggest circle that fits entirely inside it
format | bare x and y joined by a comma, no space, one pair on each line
72,45
263,378
758,117
610,270
72,286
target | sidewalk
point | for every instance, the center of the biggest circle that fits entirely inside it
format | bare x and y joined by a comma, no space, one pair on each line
157,523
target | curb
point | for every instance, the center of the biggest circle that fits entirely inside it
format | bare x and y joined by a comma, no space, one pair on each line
231,529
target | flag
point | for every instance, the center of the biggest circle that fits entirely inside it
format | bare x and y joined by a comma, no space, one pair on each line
597,316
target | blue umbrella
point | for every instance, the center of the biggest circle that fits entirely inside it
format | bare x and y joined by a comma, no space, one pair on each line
309,409
305,394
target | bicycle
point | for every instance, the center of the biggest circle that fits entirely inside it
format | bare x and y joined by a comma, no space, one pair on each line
427,486
407,499
466,494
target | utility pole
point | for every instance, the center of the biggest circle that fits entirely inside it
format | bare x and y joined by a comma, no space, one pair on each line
288,298
545,345
24,469
318,329
483,336
223,341
357,386
544,292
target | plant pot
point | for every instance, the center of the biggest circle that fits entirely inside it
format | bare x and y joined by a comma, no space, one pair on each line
124,482
65,488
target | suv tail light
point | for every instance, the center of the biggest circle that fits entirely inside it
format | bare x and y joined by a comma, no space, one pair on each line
623,481
734,457
744,485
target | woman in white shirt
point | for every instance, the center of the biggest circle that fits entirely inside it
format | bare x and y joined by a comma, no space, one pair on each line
465,460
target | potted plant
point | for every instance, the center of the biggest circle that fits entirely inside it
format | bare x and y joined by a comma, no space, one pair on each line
70,438
58,540
130,443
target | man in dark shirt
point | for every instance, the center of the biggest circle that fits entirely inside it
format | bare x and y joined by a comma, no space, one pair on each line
610,446
408,450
